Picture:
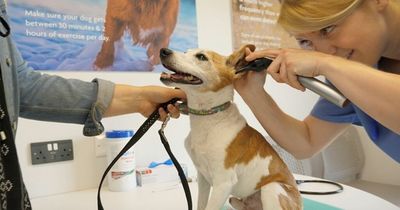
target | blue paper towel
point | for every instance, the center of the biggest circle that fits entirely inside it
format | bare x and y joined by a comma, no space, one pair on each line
314,205
308,205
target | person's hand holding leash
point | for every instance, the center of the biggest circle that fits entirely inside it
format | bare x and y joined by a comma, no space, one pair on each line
144,100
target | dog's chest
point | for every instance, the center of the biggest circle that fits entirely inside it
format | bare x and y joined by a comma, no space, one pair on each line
215,132
208,139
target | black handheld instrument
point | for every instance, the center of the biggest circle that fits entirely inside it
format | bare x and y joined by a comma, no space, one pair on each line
315,85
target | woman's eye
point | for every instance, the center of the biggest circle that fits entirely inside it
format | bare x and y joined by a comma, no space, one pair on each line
305,44
327,30
201,57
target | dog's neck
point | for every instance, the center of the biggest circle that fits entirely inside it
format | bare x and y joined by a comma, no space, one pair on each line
198,100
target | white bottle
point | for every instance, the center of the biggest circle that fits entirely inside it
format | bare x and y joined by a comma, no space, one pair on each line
122,176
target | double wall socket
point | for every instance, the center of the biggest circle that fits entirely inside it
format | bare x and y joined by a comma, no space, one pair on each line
51,151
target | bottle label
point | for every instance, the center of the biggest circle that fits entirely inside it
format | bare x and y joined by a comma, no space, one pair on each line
119,174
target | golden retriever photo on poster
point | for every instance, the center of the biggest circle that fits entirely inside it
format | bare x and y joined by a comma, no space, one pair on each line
150,24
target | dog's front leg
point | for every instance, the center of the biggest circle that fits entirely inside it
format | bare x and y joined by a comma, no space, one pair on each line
204,191
219,195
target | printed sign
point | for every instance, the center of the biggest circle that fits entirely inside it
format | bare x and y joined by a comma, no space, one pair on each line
254,22
100,35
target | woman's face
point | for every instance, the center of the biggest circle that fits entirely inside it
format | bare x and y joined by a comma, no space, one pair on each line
362,36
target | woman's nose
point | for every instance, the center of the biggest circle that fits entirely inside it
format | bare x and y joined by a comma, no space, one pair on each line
325,46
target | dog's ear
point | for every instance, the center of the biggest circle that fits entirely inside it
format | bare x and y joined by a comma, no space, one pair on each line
237,58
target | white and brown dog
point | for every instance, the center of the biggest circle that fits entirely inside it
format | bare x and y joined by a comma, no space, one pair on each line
229,155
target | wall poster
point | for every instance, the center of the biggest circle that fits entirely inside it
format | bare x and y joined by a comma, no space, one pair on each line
254,22
101,35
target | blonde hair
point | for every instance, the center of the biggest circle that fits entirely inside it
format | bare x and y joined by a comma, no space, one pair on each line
302,16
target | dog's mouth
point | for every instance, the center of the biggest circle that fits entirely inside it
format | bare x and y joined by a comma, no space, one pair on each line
179,77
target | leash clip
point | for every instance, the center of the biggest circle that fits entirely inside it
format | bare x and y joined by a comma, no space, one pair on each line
164,124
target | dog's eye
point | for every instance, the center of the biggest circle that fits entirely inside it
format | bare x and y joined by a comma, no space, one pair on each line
201,57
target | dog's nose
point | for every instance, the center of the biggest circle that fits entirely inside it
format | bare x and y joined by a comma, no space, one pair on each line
165,52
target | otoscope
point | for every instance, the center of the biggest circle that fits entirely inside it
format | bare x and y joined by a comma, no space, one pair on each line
313,84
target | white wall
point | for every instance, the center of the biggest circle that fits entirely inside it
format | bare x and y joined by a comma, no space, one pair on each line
378,167
214,28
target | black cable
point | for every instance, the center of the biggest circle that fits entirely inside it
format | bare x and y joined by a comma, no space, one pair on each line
339,186
6,26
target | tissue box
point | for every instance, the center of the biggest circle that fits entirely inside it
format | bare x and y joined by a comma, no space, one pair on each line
159,174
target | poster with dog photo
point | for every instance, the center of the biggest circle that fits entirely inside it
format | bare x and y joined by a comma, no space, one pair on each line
101,35
254,22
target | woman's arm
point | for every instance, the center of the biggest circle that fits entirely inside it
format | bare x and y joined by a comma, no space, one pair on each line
375,92
300,138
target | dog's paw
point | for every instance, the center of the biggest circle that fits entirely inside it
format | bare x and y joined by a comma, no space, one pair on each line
252,202
103,61
237,203
97,68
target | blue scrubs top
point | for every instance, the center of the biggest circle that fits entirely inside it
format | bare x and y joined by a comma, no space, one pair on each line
384,138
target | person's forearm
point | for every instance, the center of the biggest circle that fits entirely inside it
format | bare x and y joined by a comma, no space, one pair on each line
124,101
374,91
288,132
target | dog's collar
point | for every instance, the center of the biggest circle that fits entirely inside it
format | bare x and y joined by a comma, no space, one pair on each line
185,109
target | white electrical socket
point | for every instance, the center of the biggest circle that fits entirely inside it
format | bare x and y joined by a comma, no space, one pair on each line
100,145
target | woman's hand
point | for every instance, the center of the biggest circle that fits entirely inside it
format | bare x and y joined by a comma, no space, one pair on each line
251,81
290,63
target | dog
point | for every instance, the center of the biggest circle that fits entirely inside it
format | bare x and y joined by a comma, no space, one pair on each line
149,22
229,155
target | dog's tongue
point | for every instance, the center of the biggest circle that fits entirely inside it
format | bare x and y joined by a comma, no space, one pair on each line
172,77
165,75
181,78
177,76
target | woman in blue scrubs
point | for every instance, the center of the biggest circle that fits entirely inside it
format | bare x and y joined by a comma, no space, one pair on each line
355,45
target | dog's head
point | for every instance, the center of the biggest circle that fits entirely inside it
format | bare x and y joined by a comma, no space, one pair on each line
201,69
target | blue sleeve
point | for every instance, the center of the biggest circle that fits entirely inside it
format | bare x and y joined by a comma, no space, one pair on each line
53,98
325,110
